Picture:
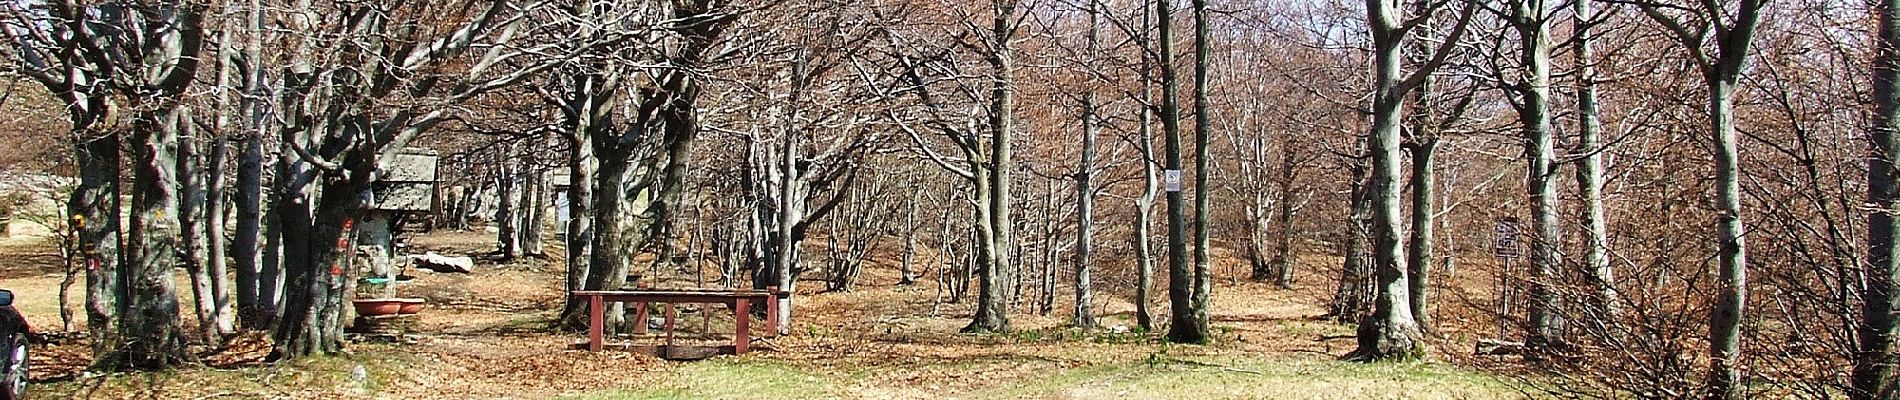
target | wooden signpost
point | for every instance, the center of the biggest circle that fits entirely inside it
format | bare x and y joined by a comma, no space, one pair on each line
1505,248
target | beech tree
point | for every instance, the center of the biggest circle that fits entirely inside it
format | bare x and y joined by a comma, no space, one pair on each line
1391,331
138,59
1717,40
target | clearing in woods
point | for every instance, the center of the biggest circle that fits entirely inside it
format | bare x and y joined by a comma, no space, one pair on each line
485,335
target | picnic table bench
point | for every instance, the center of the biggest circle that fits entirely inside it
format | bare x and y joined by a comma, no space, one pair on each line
740,301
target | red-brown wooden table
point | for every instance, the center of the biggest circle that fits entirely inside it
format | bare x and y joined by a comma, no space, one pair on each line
740,301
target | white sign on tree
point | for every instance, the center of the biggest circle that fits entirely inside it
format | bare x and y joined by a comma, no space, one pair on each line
1171,180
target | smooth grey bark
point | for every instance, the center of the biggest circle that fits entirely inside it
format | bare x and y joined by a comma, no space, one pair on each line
508,198
1596,251
1352,298
1084,312
1197,330
191,234
586,115
256,300
1874,370
1424,151
1529,19
217,265
1144,212
1085,220
1721,73
1283,249
1390,332
1180,278
534,213
993,183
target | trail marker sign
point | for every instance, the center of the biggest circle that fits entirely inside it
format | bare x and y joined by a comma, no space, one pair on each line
1506,244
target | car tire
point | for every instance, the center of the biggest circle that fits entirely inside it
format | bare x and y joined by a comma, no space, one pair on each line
13,378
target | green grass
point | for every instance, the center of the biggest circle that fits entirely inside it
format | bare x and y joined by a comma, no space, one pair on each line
1258,378
1233,377
730,379
314,377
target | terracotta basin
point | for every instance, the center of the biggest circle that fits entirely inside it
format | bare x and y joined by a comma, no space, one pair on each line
410,306
377,307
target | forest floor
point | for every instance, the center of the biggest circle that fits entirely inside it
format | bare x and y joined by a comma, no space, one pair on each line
485,335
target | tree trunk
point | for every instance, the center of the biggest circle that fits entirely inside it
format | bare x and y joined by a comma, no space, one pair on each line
1547,320
992,297
1424,150
508,199
580,222
1144,205
253,310
1874,375
1197,330
148,306
607,266
535,216
1283,250
1596,243
1180,278
1352,299
1725,320
94,207
1390,332
1085,211
191,236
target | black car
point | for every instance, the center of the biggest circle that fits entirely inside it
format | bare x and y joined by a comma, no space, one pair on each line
13,331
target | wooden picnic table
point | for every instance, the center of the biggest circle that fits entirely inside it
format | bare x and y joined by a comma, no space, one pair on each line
740,301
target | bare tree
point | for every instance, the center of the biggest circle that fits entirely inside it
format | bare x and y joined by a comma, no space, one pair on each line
1695,26
1391,331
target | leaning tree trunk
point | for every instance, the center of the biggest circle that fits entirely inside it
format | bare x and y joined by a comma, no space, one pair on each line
191,235
1874,375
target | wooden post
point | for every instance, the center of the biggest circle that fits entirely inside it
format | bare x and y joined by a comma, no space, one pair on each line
669,325
596,317
742,317
640,317
771,310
